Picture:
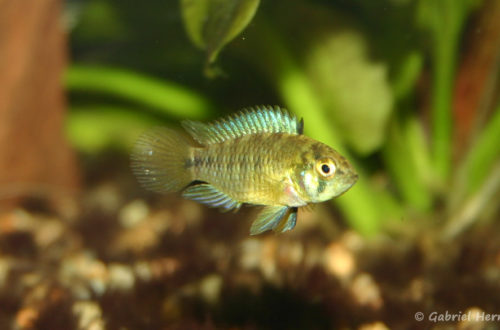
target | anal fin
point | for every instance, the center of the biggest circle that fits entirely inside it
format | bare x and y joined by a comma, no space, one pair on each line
209,195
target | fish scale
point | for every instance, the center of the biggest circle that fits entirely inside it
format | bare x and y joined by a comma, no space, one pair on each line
246,178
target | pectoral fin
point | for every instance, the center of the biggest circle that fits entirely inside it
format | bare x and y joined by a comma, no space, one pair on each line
288,222
269,218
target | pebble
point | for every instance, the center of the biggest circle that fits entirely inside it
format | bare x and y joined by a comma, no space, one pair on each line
313,255
268,259
290,254
133,213
105,197
121,277
164,267
191,212
374,326
84,268
251,250
352,241
210,288
143,271
366,291
416,290
49,232
339,261
26,318
89,315
474,322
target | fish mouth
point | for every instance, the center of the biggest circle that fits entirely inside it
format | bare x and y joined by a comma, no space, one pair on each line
351,178
348,182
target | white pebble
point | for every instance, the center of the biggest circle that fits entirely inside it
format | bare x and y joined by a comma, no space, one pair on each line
89,315
121,277
133,213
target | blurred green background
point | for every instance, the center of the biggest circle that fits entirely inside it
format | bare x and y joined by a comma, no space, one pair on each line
387,83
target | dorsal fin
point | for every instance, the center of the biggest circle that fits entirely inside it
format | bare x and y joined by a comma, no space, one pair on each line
263,119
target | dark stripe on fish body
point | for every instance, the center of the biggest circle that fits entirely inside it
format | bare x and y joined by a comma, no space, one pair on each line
304,157
321,186
316,148
196,161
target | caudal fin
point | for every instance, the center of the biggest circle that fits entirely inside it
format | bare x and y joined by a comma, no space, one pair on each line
159,159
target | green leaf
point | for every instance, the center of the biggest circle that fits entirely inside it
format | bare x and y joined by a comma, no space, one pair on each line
403,84
211,24
354,89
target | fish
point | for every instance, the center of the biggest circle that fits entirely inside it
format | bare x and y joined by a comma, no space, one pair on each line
258,156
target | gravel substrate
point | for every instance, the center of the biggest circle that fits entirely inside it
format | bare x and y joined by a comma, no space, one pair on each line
125,259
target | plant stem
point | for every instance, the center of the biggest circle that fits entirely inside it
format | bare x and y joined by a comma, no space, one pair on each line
441,121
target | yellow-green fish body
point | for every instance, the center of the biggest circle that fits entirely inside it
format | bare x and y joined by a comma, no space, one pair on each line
258,156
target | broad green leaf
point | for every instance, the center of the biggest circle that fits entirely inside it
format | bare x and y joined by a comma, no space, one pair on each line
211,24
354,88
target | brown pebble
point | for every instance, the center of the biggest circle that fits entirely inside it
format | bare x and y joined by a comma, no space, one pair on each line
26,318
366,291
339,261
374,326
473,319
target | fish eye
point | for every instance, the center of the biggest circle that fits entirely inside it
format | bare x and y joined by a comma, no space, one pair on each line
326,167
